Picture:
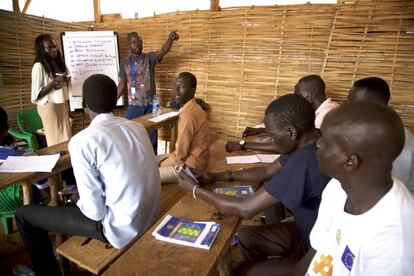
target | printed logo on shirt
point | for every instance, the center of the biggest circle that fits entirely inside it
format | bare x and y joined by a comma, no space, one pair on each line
338,237
323,267
348,258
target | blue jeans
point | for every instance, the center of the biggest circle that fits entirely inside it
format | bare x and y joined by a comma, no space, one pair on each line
35,223
134,111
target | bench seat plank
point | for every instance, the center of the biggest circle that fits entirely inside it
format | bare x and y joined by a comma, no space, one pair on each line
95,256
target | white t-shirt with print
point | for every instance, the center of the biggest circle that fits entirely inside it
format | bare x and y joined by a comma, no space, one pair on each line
378,242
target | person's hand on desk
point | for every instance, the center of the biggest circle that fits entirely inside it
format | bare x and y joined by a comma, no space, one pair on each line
249,131
206,178
186,182
233,146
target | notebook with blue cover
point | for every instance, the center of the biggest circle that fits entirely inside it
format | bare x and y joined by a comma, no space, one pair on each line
189,233
237,191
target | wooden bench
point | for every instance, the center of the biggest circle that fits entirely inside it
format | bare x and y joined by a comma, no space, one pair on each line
95,256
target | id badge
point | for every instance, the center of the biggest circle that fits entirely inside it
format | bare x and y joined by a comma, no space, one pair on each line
133,92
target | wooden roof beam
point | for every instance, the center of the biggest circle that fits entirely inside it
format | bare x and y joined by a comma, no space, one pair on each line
214,5
97,11
26,6
16,7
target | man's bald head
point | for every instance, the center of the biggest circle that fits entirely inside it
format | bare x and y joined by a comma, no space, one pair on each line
372,131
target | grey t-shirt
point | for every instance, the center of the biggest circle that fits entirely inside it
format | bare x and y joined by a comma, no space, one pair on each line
141,71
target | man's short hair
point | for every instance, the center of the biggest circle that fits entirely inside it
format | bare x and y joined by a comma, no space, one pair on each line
292,110
190,77
313,83
99,93
132,34
374,88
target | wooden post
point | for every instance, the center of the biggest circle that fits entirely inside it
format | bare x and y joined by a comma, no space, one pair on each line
97,11
215,5
16,7
55,185
27,192
173,137
26,6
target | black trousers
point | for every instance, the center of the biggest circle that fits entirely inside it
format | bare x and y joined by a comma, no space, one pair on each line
271,249
35,223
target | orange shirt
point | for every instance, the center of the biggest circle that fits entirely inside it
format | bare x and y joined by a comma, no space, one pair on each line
193,142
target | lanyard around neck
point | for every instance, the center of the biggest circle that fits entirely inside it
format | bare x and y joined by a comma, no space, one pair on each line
134,67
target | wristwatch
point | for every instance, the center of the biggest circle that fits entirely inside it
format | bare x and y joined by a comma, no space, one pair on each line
242,143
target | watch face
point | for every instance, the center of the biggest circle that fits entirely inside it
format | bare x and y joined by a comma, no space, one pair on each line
242,142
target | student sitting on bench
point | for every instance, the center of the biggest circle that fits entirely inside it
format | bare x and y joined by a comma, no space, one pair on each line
374,89
193,142
312,88
118,181
295,180
365,223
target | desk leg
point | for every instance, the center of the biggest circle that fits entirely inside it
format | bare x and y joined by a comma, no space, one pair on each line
225,266
55,184
27,192
173,140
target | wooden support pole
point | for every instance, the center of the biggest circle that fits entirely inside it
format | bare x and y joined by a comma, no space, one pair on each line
26,6
16,7
215,5
97,11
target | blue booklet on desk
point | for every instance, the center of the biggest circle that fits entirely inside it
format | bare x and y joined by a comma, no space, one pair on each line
237,191
6,152
189,233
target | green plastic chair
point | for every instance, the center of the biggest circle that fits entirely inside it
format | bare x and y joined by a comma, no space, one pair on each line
9,202
29,122
29,138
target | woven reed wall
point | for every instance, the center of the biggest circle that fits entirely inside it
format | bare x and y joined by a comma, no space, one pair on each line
17,36
245,57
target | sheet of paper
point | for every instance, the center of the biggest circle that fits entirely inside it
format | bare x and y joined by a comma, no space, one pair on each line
42,163
246,159
163,117
268,158
259,126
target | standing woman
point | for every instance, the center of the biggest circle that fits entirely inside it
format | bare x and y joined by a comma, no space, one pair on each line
49,90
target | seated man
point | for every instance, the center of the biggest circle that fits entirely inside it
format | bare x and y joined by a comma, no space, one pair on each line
365,224
193,142
296,182
117,177
374,89
312,88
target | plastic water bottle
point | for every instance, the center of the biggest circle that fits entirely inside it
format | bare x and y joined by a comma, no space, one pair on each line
156,107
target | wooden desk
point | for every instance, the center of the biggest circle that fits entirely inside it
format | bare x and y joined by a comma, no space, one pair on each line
25,179
149,256
150,126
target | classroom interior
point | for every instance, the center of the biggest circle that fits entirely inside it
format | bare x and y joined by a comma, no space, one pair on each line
243,58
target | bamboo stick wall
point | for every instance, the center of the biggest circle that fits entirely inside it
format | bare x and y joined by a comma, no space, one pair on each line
245,57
